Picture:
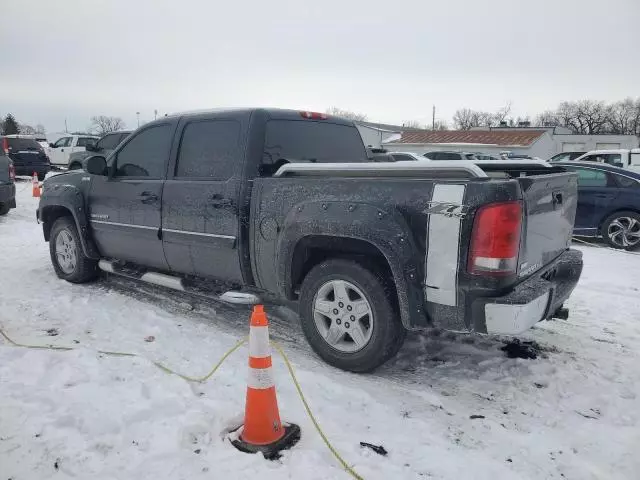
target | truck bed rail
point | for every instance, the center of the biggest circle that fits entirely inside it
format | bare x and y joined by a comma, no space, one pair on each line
434,169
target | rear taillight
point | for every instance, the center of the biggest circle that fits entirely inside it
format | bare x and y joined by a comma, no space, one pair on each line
495,241
12,172
313,115
5,146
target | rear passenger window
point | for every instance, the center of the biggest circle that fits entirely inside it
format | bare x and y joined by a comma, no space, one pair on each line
82,141
449,156
626,182
308,141
109,142
398,157
147,153
591,178
209,149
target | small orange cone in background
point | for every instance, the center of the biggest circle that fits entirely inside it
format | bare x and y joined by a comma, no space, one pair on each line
35,186
262,430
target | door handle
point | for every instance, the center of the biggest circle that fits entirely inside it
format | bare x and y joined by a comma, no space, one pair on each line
218,201
557,198
148,197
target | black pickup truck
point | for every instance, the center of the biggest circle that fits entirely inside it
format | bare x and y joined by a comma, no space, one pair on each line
288,203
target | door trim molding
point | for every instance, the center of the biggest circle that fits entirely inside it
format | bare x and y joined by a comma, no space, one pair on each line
188,232
145,227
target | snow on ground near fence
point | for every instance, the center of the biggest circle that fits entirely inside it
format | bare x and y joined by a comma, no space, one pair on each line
571,413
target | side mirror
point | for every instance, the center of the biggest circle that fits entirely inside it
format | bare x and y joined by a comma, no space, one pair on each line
52,145
95,165
90,147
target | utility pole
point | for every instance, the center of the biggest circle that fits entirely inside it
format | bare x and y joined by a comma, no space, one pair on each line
138,115
155,114
433,118
66,130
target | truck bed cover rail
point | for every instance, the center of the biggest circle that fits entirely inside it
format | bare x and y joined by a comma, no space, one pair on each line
459,169
448,169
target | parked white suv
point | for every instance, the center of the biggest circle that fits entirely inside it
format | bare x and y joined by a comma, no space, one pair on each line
63,147
618,158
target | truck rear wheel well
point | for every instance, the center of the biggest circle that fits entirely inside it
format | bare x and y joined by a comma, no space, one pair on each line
50,215
313,250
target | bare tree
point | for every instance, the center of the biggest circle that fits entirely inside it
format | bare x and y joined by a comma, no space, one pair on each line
502,114
548,118
466,118
102,124
593,115
412,124
338,112
26,129
624,117
441,125
587,117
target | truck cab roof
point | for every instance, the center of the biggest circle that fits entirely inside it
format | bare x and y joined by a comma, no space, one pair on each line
272,113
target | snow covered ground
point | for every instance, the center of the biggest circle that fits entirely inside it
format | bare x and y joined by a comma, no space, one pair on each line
573,413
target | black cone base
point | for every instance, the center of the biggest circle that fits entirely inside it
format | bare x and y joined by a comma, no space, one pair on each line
272,451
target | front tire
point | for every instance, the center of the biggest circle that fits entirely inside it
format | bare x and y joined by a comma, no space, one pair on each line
41,176
67,256
75,166
4,208
622,230
348,316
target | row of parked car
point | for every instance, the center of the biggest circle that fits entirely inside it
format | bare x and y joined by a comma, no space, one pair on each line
608,189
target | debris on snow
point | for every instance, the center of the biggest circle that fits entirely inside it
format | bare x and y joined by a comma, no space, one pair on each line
379,449
515,348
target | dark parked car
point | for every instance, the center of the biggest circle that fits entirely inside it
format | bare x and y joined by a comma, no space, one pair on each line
608,203
7,185
288,204
104,146
27,155
564,156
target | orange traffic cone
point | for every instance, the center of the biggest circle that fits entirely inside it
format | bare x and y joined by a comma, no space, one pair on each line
262,430
35,186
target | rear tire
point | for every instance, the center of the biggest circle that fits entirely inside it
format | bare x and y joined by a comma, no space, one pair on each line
68,259
41,176
622,230
4,208
342,288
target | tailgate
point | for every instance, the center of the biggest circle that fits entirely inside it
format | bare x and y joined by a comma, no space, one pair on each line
550,203
29,157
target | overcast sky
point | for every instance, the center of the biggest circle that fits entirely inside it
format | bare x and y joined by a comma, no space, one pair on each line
389,59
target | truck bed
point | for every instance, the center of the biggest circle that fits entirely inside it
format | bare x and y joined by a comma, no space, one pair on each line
430,208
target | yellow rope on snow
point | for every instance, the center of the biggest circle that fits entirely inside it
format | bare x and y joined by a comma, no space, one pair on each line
206,377
342,461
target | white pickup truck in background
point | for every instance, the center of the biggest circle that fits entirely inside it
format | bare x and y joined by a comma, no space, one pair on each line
66,145
629,159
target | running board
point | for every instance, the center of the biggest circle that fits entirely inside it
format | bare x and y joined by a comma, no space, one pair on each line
197,288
